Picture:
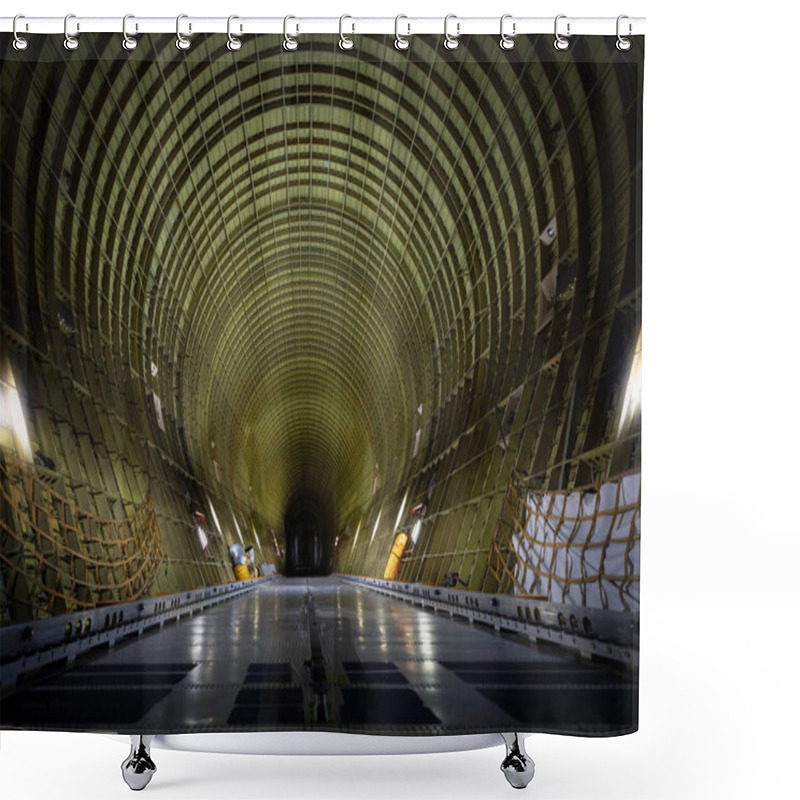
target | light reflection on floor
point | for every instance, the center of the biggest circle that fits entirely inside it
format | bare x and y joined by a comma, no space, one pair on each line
388,666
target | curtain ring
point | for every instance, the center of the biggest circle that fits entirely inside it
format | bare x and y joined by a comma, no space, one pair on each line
182,43
20,43
623,44
234,44
70,42
345,43
400,42
506,41
288,42
561,42
450,41
128,42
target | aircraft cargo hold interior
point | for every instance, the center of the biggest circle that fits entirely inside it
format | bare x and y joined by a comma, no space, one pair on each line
319,387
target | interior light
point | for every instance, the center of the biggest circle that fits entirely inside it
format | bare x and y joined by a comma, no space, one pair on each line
402,509
216,518
417,436
355,538
415,530
11,417
633,391
278,548
235,522
375,529
5,411
201,534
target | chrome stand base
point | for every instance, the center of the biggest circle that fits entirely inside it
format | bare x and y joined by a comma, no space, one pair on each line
518,766
138,768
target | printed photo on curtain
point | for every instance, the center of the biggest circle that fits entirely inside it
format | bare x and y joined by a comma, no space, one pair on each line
320,384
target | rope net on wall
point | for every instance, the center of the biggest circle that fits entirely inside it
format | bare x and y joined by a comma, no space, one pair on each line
577,547
57,558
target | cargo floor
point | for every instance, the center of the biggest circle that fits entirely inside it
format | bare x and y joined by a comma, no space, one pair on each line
325,654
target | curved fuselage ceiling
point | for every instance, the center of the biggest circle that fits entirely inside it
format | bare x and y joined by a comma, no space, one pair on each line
331,269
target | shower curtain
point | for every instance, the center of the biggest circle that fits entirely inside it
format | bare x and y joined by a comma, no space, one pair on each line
321,378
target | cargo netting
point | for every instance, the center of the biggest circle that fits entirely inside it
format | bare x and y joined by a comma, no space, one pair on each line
58,558
578,547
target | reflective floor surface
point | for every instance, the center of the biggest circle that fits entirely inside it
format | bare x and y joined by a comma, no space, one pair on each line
324,654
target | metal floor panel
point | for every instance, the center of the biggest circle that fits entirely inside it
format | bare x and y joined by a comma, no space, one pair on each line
325,654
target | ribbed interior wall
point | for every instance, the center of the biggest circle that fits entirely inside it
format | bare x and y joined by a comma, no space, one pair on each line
310,247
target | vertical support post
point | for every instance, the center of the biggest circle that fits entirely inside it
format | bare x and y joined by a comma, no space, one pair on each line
518,766
138,768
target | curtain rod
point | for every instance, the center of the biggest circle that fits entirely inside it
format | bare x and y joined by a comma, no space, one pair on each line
454,26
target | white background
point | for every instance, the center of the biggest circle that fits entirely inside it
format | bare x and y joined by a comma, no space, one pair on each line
719,679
